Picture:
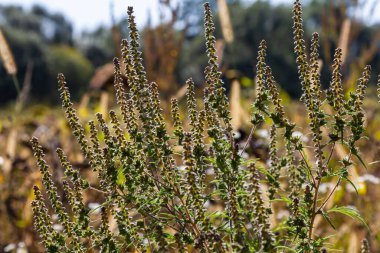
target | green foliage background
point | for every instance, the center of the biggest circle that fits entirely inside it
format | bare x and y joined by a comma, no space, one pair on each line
35,34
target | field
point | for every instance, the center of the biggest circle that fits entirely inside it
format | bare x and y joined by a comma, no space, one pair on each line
233,163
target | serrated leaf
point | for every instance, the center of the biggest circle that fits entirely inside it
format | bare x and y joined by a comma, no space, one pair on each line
350,212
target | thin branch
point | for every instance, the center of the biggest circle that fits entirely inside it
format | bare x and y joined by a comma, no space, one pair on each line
248,140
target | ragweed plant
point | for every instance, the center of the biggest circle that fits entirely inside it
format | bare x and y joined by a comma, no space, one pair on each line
191,190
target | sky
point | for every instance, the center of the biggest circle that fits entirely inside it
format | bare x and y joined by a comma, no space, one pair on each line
89,14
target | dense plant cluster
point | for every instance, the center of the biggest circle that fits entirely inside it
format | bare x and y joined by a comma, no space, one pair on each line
191,190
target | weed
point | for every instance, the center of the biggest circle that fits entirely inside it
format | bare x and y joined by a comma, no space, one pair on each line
152,204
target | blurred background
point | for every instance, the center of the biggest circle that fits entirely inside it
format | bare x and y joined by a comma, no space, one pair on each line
41,38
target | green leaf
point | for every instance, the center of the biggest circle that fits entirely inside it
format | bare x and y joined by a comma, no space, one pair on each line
266,172
246,162
98,207
350,212
283,199
353,185
355,153
210,160
217,215
286,247
167,216
120,177
327,218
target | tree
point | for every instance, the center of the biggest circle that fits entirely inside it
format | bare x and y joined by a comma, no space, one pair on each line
31,35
